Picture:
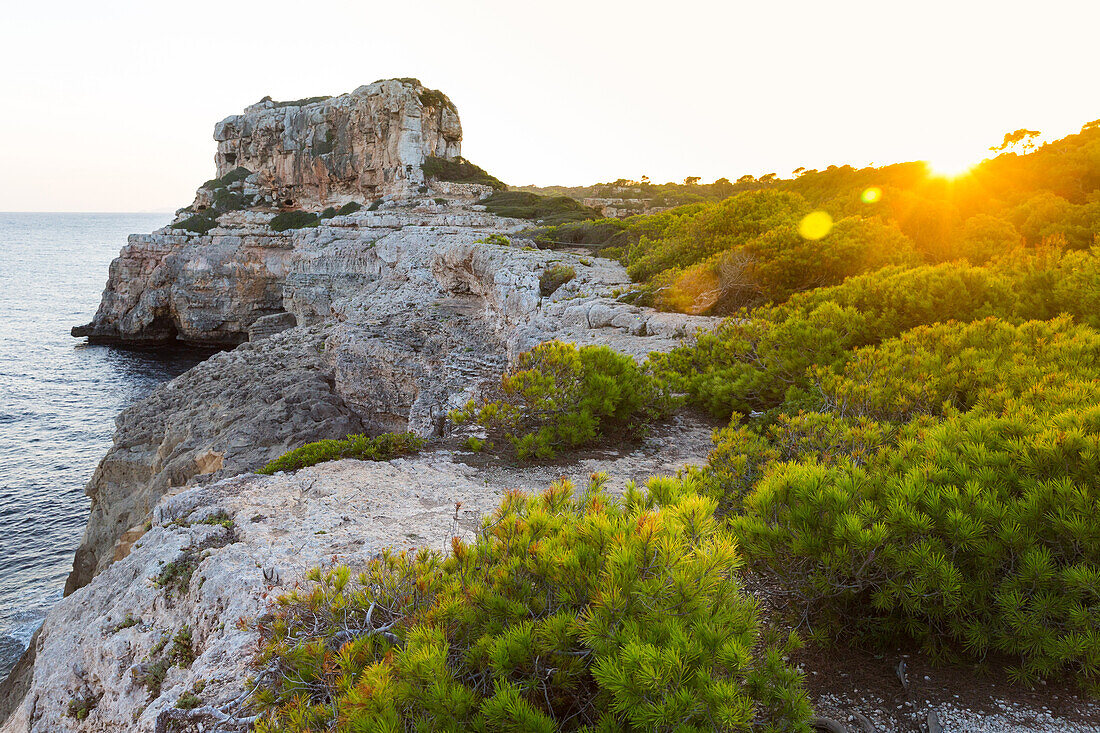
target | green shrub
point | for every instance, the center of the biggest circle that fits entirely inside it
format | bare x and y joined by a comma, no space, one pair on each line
81,707
151,676
198,223
560,396
975,535
566,614
298,102
293,220
182,653
600,232
459,170
500,240
437,99
990,365
234,176
476,445
700,232
379,448
188,701
349,208
554,277
550,210
375,204
744,453
175,576
763,360
223,200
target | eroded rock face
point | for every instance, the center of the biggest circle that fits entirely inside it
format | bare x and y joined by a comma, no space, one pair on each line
404,314
205,290
378,320
358,146
230,414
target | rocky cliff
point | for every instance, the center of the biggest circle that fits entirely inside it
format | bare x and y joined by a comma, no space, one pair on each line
356,146
377,319
400,315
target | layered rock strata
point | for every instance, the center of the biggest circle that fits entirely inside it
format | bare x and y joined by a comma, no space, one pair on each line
382,319
402,315
351,147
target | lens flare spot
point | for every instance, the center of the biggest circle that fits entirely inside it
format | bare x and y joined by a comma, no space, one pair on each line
871,195
815,225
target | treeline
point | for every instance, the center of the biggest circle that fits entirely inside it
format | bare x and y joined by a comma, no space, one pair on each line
747,249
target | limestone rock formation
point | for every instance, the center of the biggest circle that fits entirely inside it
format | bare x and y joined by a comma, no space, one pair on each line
353,147
371,320
403,314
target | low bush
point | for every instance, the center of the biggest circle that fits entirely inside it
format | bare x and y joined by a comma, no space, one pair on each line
379,448
188,701
601,233
991,365
762,360
81,707
293,220
974,535
568,613
175,576
554,277
198,223
298,102
349,208
223,200
236,175
459,170
546,209
560,396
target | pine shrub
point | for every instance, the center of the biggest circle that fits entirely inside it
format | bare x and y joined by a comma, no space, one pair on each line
460,170
296,219
974,535
379,448
554,277
568,613
560,396
765,359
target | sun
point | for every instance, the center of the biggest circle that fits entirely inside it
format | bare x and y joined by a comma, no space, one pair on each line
951,164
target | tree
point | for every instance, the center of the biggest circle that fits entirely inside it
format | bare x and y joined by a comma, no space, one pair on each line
691,180
1012,139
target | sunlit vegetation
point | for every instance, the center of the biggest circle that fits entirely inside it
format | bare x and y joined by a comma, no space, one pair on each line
571,611
912,383
360,447
560,397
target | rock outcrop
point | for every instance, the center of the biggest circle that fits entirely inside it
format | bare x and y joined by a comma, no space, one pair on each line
403,314
371,320
353,147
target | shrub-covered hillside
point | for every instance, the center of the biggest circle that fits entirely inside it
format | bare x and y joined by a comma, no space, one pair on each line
760,240
912,383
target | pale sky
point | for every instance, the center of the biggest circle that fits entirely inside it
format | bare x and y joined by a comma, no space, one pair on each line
110,106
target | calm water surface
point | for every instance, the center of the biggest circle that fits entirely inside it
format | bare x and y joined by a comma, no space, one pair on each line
58,399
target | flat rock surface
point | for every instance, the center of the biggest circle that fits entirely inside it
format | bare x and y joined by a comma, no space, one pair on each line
96,642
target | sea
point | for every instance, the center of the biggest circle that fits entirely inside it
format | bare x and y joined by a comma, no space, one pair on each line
58,399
